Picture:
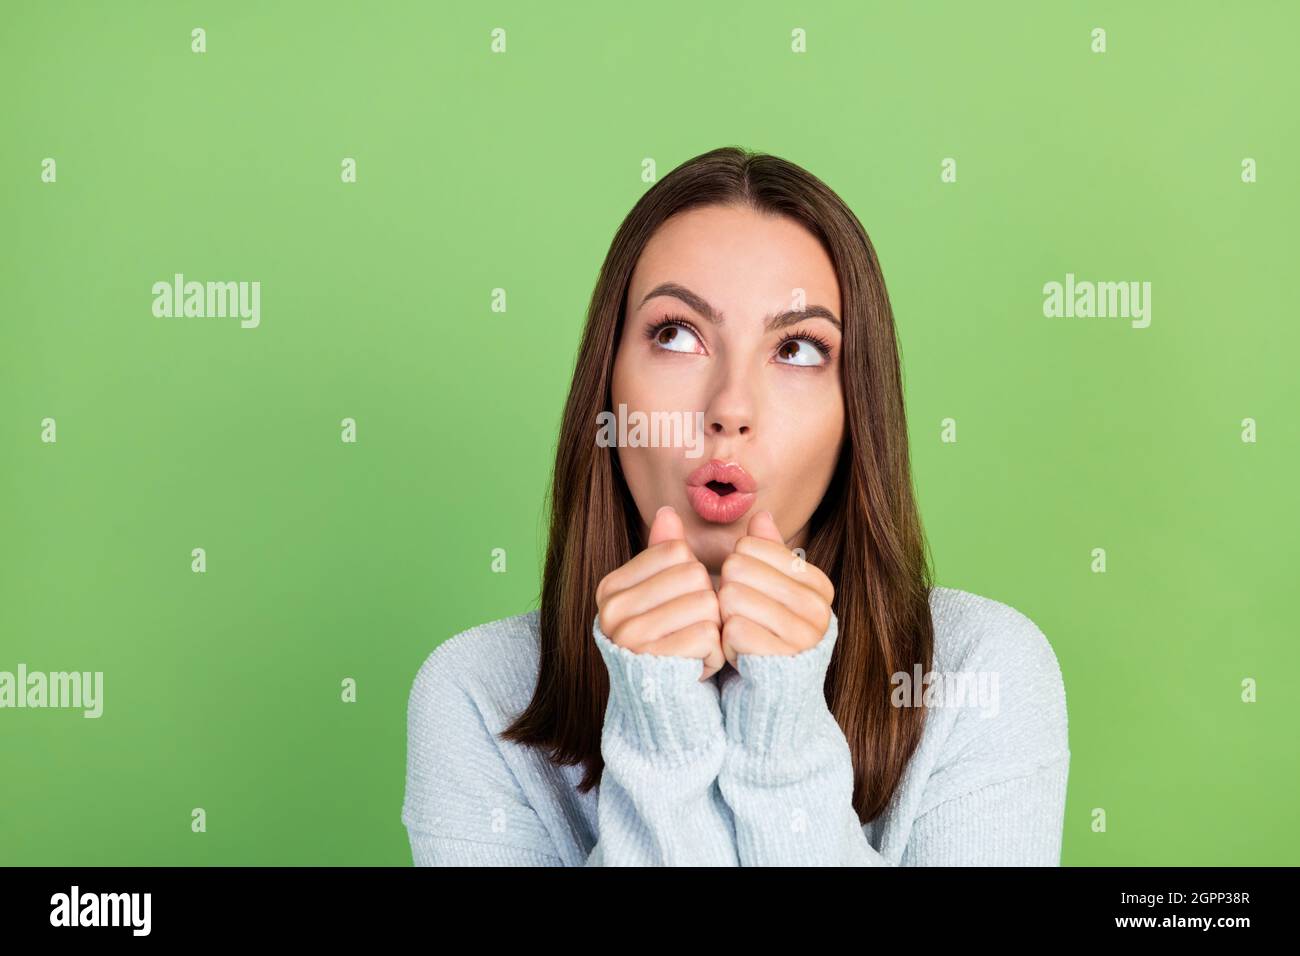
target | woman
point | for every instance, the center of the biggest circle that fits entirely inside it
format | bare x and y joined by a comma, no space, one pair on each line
738,657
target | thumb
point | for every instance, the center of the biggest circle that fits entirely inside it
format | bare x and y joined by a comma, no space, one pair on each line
667,525
763,525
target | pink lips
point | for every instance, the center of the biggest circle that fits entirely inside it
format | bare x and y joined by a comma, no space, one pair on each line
728,498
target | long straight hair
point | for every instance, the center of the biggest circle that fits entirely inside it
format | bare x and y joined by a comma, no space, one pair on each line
865,534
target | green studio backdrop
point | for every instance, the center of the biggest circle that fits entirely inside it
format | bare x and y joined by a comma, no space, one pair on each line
478,171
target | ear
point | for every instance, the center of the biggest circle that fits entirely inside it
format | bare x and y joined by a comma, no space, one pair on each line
667,525
763,525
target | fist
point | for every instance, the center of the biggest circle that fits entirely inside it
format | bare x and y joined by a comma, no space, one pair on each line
771,600
662,601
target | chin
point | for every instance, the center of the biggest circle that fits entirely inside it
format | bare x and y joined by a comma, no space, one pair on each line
712,543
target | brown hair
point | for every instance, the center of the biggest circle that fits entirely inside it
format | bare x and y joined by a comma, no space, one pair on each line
865,534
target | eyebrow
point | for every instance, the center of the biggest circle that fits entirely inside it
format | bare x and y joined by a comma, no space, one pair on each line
771,323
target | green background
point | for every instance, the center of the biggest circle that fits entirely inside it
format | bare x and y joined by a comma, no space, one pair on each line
479,171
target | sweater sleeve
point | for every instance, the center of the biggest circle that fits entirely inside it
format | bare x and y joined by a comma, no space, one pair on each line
788,774
428,849
663,744
463,805
788,780
657,803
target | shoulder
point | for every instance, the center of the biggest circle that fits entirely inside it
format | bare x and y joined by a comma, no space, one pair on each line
971,630
466,691
491,643
491,665
1005,711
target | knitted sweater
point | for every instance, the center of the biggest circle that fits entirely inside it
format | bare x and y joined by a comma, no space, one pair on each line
748,768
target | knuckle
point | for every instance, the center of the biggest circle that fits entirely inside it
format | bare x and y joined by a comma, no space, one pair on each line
613,608
678,551
703,630
811,635
706,605
732,563
631,631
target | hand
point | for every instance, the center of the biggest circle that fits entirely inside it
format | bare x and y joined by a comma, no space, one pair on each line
771,600
662,601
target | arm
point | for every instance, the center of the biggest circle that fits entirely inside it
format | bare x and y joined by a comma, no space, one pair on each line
788,775
1014,822
463,805
663,745
658,801
430,850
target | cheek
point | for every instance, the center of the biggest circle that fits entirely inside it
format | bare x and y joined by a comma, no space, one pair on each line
651,472
808,436
634,382
650,477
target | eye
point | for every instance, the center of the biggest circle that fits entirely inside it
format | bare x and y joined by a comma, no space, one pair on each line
803,349
674,335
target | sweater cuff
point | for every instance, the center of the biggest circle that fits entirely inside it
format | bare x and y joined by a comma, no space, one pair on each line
657,703
778,701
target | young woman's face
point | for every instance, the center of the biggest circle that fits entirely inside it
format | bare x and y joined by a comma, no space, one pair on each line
699,335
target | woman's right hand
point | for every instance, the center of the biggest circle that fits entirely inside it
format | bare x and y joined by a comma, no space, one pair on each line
662,601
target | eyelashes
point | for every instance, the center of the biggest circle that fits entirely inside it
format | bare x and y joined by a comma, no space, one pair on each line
821,344
654,328
816,341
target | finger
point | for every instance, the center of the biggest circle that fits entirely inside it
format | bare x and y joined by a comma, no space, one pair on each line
702,640
649,562
787,562
763,525
660,587
794,594
666,526
740,599
713,665
680,612
740,635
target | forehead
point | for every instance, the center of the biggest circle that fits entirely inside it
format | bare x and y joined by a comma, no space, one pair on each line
739,260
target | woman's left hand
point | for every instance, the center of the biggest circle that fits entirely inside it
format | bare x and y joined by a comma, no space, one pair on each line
772,600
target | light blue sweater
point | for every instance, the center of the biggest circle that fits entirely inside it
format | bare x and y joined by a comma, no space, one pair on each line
748,768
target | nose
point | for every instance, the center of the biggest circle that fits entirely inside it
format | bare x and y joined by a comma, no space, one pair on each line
721,426
731,412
